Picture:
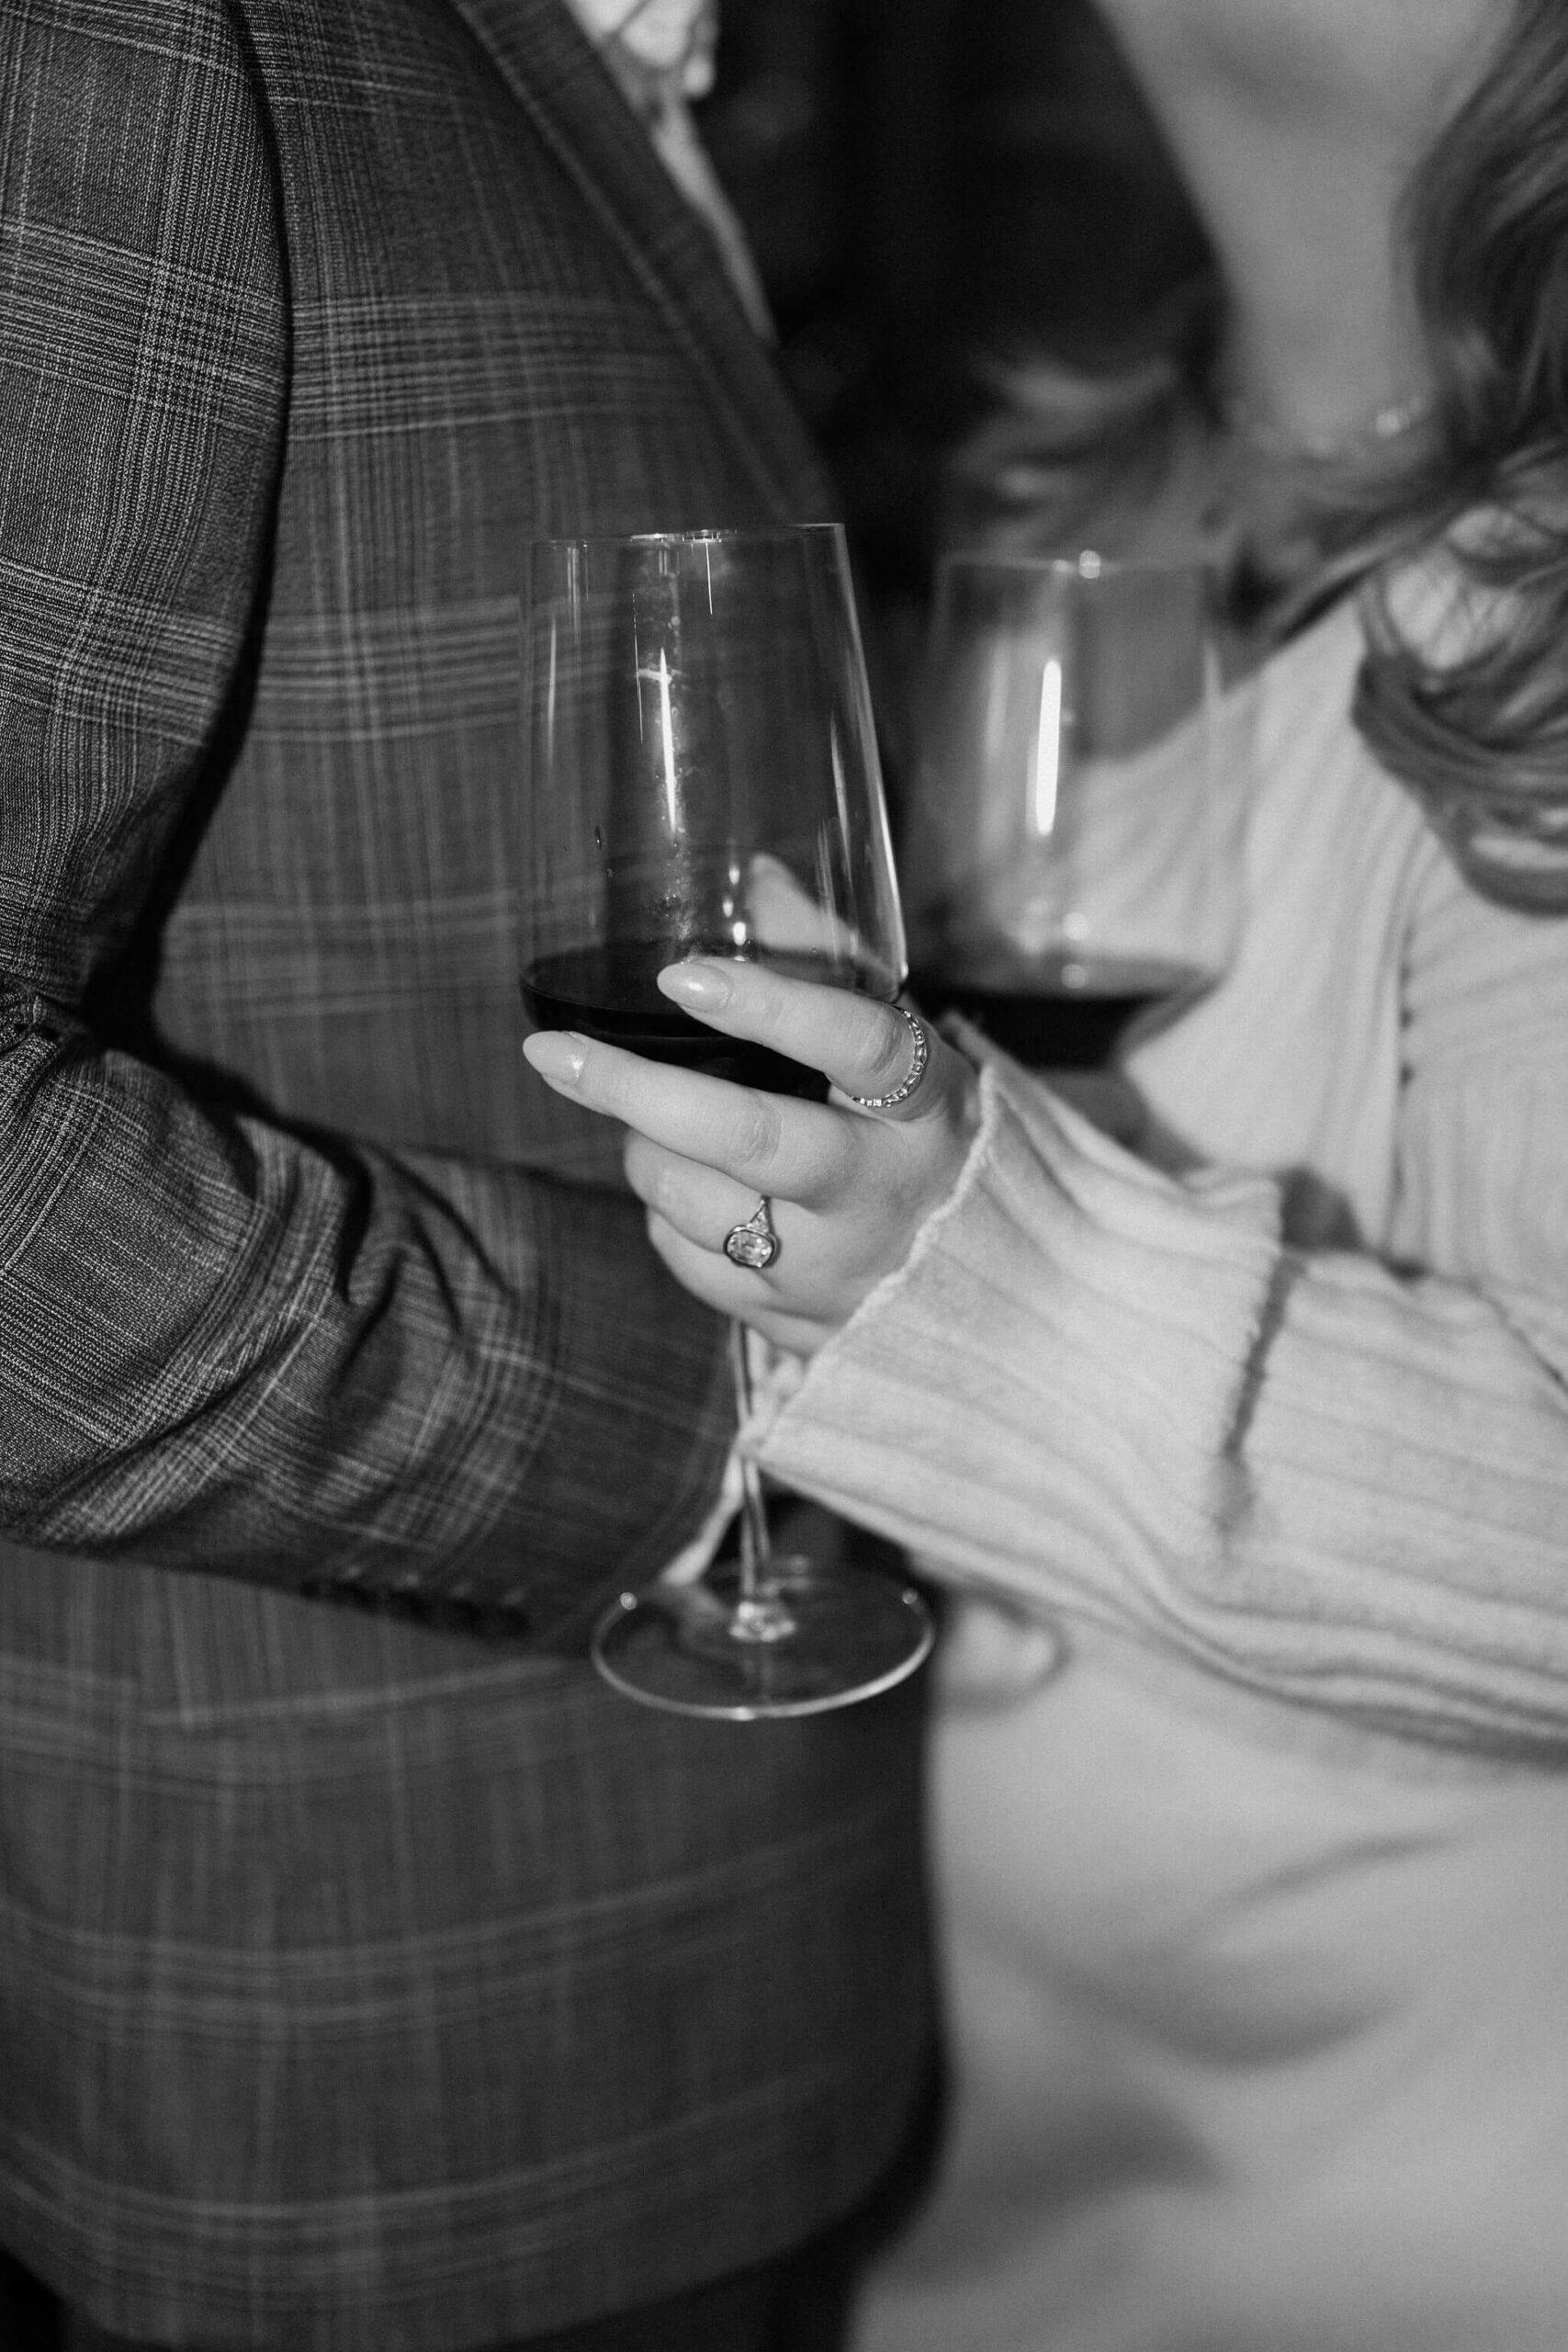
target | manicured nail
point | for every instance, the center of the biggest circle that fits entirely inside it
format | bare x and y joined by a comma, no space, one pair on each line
703,986
556,1053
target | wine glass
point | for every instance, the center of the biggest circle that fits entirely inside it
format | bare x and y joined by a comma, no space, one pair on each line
704,780
1070,871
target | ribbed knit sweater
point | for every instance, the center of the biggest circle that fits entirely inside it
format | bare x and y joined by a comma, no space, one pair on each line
1284,1388
1256,1907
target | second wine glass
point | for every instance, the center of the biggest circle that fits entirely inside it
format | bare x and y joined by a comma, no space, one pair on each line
704,780
1071,866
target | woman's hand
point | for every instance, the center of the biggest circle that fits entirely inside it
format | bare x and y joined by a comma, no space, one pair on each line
848,1188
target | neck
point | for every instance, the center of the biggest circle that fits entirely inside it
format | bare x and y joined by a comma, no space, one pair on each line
1296,124
1321,340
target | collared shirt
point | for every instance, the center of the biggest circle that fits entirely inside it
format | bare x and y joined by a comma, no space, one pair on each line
661,54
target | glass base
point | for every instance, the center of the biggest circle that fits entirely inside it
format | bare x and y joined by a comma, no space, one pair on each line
819,1638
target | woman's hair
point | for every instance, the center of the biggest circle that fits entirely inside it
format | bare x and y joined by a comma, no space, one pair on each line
1482,738
1479,481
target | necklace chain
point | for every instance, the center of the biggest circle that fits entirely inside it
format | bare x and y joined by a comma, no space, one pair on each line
1389,424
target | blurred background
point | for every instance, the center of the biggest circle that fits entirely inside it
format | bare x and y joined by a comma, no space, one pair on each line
932,190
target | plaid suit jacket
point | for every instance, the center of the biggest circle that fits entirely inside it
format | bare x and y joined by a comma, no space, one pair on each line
369,1978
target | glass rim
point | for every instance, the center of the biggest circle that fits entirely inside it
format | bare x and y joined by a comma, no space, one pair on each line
704,537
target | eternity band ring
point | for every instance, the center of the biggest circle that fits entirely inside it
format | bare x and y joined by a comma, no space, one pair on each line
922,1047
753,1244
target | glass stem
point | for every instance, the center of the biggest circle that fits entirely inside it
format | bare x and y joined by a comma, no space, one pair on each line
759,1614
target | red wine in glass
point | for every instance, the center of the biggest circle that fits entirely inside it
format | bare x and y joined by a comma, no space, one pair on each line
1061,1012
609,991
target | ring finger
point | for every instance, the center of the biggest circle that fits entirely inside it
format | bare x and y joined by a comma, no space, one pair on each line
702,1204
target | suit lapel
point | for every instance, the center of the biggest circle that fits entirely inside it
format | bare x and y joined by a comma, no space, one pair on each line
572,101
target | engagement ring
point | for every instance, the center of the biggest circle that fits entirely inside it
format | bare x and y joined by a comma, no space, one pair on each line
753,1244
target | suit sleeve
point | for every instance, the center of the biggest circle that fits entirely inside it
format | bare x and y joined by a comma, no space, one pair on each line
224,1345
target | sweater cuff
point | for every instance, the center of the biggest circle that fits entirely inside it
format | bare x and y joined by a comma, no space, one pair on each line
1046,1397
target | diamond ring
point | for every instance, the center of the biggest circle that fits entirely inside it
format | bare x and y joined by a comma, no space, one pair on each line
916,1068
753,1244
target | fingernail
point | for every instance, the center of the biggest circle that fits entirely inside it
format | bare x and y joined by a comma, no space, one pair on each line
556,1053
707,986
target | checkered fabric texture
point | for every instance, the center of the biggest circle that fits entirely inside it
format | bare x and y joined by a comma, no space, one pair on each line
370,1979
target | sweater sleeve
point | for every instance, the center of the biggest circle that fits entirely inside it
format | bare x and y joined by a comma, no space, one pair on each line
1119,1394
